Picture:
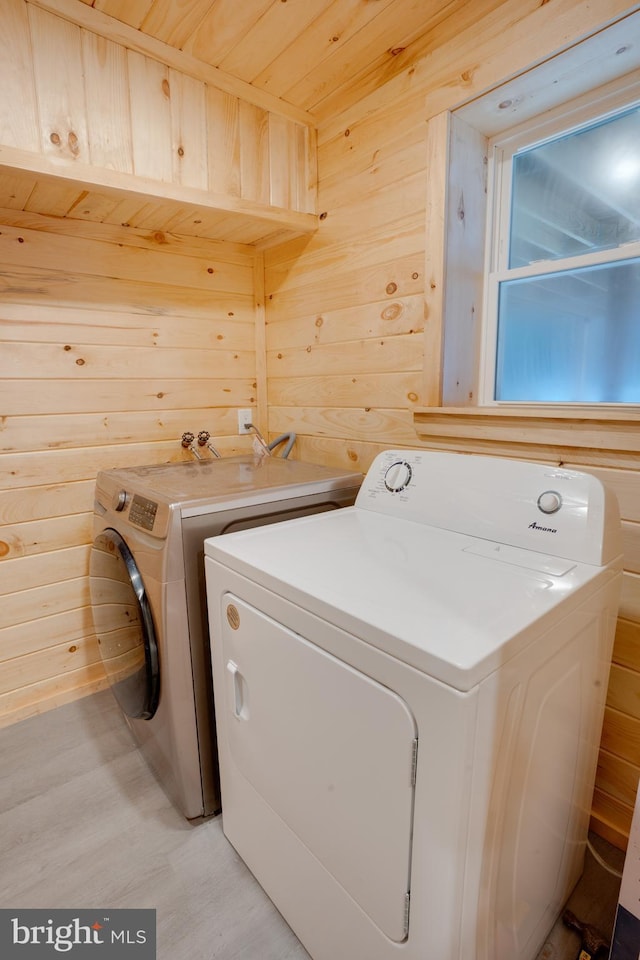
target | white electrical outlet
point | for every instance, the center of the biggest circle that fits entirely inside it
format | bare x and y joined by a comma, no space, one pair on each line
245,417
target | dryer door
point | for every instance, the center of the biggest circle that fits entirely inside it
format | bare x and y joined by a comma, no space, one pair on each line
330,751
124,626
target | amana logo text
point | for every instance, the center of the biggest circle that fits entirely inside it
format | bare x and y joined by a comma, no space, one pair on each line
536,526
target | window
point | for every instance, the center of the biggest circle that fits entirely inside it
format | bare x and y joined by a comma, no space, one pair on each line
562,296
535,186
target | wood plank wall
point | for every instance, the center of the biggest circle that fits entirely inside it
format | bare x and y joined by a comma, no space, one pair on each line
345,308
112,344
72,95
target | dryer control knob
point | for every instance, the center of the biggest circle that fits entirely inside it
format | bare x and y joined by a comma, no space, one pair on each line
120,500
549,501
398,476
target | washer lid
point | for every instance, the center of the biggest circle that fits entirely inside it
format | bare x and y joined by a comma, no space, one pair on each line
231,480
437,600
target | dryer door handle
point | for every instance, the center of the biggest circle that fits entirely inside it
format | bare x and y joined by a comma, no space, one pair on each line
239,692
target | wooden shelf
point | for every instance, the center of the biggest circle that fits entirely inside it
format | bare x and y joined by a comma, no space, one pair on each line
66,188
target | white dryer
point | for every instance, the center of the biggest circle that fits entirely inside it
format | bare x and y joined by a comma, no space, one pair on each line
148,594
409,697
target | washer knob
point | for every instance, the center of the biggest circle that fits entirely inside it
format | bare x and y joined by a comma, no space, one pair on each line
549,501
120,500
398,476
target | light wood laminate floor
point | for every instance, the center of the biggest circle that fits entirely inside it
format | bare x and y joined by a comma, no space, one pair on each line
83,823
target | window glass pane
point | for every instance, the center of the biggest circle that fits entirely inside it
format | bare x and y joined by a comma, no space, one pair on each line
577,194
571,337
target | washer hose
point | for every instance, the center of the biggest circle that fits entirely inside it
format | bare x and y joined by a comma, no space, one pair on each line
291,437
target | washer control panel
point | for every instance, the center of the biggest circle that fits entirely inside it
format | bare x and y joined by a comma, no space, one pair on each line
535,506
142,512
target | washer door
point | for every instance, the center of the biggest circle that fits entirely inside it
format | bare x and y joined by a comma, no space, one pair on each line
124,626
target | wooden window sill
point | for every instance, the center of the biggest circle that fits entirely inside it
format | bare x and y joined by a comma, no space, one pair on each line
606,436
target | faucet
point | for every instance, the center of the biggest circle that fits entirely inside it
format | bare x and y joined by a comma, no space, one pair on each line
187,443
203,441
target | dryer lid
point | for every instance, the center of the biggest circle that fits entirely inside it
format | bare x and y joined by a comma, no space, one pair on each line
435,599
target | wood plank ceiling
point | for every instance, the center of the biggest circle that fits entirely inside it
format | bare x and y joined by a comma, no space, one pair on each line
318,55
312,58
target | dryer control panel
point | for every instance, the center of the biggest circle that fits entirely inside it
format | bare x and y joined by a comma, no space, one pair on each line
563,513
397,476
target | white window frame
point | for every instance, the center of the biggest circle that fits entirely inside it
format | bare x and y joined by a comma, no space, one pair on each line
579,113
456,243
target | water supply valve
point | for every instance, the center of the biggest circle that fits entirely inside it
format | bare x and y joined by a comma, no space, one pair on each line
187,443
203,441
